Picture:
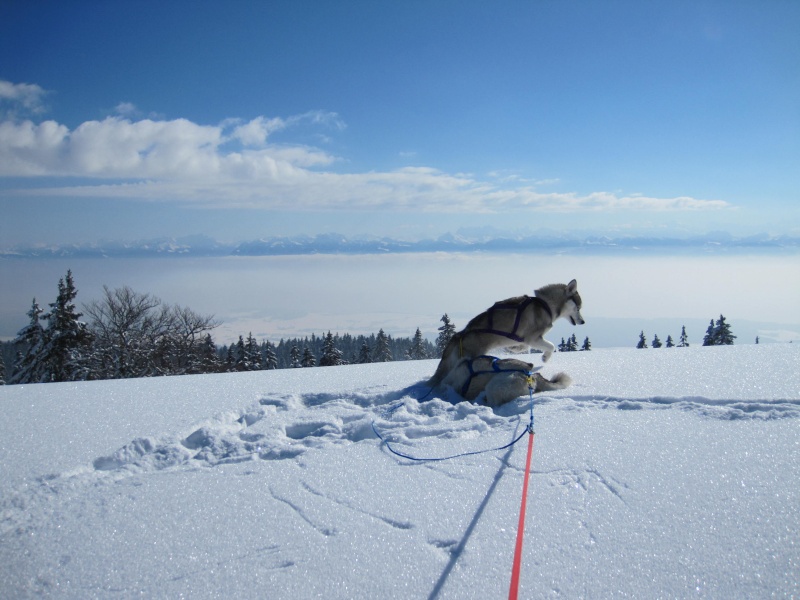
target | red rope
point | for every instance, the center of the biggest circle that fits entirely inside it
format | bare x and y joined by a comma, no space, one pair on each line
512,593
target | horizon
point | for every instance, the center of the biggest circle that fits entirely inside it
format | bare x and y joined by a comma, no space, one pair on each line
293,296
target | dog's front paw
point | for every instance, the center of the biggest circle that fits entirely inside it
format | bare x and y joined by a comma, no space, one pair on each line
546,356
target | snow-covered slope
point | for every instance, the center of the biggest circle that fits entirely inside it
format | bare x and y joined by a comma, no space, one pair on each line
659,473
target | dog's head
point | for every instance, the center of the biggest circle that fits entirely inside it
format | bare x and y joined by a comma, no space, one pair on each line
572,307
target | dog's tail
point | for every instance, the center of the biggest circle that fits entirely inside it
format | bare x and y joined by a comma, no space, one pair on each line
558,382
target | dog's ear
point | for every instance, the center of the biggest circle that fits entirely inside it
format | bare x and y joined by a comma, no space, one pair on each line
572,287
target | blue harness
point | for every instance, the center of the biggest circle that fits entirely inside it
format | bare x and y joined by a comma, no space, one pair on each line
495,368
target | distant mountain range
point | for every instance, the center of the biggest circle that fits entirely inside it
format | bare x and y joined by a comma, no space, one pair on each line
466,241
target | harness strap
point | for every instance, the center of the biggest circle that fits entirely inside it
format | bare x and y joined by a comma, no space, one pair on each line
495,369
502,305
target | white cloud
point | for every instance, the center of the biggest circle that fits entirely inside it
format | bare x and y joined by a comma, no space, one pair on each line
26,96
256,131
126,109
236,164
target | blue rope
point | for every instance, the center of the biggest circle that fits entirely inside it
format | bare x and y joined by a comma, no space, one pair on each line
414,458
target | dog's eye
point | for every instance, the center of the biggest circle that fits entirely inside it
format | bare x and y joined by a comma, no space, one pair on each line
577,300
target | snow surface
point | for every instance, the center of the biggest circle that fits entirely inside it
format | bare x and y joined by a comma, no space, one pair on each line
658,474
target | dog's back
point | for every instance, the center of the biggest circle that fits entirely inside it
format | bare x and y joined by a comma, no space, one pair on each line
513,322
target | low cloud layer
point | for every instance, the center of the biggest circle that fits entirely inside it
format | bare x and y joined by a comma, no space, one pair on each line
235,164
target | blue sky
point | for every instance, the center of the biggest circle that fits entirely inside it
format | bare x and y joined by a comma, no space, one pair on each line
131,120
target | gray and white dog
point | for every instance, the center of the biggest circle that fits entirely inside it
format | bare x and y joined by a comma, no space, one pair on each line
500,379
516,323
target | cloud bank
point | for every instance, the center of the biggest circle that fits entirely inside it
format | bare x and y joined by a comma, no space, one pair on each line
235,164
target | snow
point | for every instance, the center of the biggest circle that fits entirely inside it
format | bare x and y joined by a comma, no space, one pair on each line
659,473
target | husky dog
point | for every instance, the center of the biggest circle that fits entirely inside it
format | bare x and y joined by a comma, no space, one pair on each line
517,324
501,379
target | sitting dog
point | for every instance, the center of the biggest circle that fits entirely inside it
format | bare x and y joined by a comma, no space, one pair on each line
501,379
518,323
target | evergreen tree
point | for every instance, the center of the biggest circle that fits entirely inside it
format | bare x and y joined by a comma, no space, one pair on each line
657,342
294,356
364,354
683,342
331,355
382,351
724,335
66,351
562,347
670,343
709,339
230,359
572,346
756,339
446,332
417,350
209,360
642,341
270,358
2,370
308,358
30,342
252,354
240,356
587,345
719,333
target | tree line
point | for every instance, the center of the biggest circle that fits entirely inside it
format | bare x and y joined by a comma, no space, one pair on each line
247,354
719,333
571,344
127,334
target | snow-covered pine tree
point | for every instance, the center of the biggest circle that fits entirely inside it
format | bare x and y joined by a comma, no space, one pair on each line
252,353
30,342
657,342
270,357
240,355
209,361
417,350
230,359
446,332
562,347
382,351
331,355
67,346
669,343
572,346
683,342
308,359
724,336
364,353
642,341
587,345
709,339
295,357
